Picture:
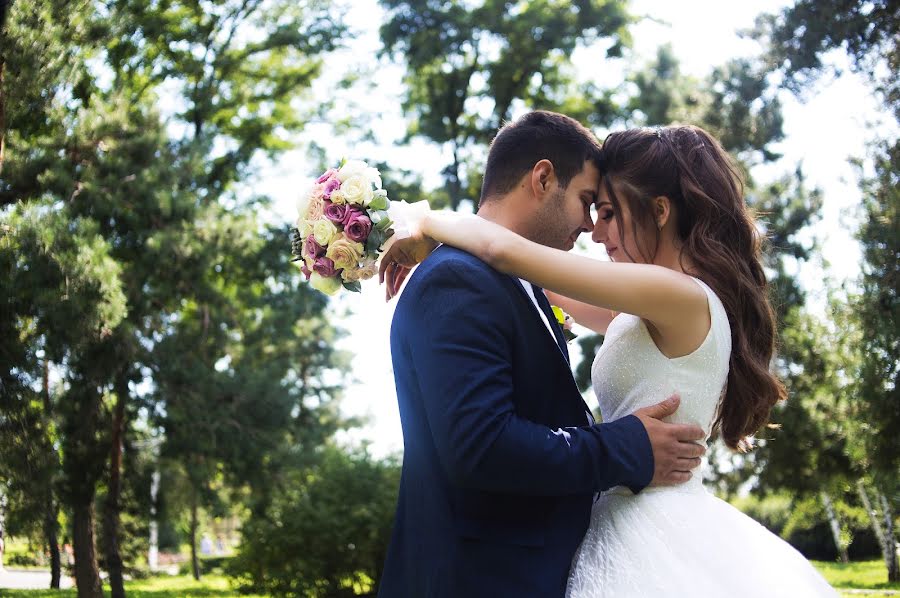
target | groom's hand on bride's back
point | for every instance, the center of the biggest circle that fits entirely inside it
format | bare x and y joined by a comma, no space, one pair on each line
675,448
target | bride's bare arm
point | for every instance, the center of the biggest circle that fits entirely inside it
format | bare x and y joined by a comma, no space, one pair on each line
587,315
673,303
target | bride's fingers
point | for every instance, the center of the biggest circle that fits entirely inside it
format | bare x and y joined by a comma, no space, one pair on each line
385,274
387,261
399,276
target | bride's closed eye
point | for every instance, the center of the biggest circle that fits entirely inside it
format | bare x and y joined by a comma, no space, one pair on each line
605,213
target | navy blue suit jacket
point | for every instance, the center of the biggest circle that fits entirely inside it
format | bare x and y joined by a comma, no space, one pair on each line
500,463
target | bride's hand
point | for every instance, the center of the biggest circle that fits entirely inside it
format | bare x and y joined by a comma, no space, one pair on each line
399,260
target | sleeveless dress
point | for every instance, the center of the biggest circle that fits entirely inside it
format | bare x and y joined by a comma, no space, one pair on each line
677,541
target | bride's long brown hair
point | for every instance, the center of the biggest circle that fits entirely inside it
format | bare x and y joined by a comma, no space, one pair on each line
720,240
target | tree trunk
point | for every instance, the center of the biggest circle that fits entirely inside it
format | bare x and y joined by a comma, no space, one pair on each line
51,520
153,555
195,563
50,527
874,521
891,560
453,179
835,527
5,5
2,111
87,573
2,525
111,508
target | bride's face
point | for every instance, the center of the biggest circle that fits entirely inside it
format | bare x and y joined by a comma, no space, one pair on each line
606,230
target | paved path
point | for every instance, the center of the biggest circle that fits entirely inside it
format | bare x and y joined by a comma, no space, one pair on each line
30,579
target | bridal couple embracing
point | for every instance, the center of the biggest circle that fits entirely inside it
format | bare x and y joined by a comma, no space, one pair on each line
509,487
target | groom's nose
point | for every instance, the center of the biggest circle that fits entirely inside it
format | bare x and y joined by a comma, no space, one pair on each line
587,225
599,234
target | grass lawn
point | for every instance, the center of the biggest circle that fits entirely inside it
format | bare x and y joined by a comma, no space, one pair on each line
180,586
866,575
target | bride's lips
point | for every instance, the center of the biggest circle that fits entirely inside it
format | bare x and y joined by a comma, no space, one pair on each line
611,250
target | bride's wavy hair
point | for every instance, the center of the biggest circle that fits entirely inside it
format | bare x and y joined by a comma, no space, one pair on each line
718,235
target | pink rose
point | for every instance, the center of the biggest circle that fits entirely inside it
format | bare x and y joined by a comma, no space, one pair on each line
317,191
328,174
336,212
306,271
325,267
357,226
351,213
331,186
311,249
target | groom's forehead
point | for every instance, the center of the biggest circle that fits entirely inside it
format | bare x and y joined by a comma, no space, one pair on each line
589,175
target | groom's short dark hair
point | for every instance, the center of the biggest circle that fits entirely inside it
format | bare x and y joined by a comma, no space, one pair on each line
536,136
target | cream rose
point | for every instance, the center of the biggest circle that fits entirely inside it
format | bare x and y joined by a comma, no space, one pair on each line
329,285
324,231
368,270
345,253
304,226
357,190
338,197
350,275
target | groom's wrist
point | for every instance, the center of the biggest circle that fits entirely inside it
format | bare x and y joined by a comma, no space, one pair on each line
637,460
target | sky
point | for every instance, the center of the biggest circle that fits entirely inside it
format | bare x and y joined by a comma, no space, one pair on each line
822,133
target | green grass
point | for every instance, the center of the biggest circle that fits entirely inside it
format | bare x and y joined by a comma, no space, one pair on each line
865,575
179,586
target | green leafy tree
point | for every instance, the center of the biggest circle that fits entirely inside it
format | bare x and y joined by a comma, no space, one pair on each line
878,310
798,37
797,40
81,129
469,66
62,291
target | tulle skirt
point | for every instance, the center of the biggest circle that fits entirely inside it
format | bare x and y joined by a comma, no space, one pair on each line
680,542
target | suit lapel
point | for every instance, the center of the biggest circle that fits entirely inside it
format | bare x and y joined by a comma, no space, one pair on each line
560,340
561,351
551,318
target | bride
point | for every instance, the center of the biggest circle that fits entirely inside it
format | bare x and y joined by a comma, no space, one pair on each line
683,306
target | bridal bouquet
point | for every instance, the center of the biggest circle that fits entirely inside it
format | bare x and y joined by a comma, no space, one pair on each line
342,225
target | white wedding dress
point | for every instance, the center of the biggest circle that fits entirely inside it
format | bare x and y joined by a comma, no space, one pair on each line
678,541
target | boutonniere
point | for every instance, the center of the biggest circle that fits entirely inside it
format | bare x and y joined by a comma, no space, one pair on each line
565,322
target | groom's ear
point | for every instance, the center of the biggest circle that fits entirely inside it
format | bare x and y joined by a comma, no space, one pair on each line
543,178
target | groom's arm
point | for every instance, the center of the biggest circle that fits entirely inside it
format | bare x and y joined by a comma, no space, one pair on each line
461,354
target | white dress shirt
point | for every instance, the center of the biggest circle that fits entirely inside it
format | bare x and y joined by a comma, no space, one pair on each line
530,290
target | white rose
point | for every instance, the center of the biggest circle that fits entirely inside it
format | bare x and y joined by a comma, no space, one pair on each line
329,286
324,231
359,168
374,177
352,168
357,190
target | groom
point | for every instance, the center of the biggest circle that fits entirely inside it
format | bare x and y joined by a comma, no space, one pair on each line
502,458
